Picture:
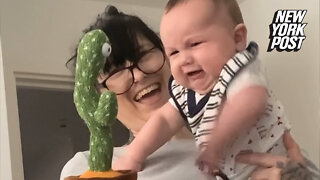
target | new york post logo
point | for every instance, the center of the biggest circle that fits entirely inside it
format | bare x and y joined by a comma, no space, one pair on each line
287,30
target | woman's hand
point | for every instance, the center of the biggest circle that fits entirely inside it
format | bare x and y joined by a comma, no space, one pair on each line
276,167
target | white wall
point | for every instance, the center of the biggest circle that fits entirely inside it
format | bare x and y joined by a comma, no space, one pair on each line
294,76
38,36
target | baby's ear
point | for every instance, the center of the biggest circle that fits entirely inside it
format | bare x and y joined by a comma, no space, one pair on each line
240,37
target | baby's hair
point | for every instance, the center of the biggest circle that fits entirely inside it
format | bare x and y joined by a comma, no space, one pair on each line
231,5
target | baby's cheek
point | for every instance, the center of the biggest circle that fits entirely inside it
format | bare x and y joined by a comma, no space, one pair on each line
178,76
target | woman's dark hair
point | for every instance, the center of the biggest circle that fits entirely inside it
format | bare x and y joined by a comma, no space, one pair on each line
123,31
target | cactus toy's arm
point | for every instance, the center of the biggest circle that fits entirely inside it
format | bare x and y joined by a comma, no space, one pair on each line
98,111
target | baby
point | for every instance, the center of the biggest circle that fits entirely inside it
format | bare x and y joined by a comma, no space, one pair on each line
217,89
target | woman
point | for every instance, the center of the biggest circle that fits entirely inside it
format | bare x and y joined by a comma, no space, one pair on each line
142,89
137,71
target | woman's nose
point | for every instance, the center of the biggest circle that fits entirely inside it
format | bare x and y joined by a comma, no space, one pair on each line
138,75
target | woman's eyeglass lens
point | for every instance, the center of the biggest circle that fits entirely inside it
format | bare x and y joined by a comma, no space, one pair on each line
121,80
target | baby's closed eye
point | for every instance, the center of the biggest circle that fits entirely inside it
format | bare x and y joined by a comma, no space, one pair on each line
172,53
195,43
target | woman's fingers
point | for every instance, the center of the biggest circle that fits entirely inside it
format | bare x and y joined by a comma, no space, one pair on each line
266,174
272,167
262,159
270,160
293,150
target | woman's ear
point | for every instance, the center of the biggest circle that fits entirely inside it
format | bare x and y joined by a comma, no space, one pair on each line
240,37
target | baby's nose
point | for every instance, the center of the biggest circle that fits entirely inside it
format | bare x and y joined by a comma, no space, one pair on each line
186,58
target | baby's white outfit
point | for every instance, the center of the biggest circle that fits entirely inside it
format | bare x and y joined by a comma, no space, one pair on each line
201,111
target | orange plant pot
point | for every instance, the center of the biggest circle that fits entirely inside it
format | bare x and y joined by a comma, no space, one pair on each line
108,175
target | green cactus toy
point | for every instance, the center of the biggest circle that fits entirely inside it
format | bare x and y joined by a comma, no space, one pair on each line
99,111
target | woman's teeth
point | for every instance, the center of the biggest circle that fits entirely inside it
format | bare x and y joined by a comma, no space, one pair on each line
146,91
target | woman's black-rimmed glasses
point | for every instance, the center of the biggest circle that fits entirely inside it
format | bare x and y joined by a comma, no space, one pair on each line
121,80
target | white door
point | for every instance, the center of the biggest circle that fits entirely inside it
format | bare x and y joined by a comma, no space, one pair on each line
5,164
11,167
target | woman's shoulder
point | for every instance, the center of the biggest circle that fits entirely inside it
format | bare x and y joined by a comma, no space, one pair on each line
76,165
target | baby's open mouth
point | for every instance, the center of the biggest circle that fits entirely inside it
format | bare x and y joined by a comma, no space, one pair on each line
147,92
194,73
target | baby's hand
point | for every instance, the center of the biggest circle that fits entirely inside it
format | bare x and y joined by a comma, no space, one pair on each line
126,163
208,161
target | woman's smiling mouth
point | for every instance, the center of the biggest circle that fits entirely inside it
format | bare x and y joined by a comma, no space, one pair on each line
147,92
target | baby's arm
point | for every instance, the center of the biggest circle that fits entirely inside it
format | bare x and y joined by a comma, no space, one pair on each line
238,114
162,125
